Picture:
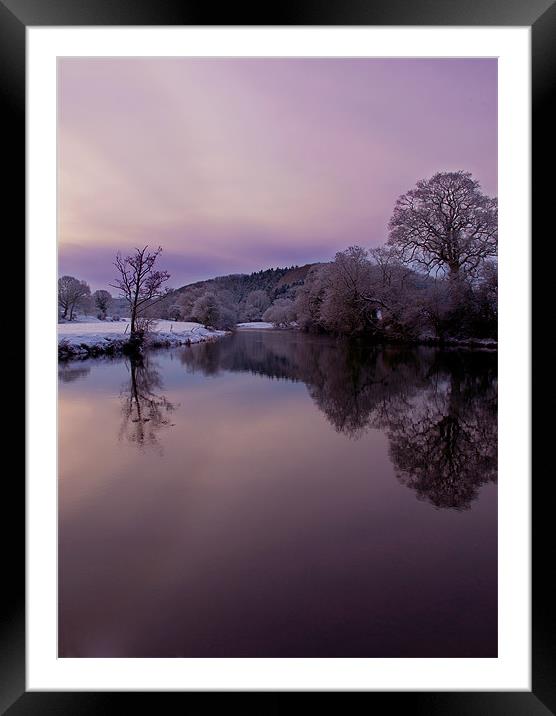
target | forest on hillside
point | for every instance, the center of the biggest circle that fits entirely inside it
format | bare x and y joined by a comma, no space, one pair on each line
226,300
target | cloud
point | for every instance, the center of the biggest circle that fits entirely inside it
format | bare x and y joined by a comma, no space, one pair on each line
226,162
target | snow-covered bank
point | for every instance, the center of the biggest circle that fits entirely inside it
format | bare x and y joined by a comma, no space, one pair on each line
254,324
98,338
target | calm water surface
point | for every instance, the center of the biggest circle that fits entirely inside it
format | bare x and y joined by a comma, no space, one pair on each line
275,494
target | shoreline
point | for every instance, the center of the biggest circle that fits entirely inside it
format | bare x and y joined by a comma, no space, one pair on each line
89,340
102,344
475,343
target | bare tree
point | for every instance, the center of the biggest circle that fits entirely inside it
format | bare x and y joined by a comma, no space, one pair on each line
71,291
102,301
445,225
139,283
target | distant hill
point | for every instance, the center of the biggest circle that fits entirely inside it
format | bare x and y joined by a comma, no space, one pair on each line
294,276
238,291
274,281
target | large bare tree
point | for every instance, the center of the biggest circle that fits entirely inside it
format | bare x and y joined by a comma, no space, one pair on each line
445,225
138,281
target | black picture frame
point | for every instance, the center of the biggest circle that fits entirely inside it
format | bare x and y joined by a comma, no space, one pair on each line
540,15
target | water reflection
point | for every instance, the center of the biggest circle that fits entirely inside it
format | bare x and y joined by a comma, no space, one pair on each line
443,439
437,408
273,524
70,372
145,410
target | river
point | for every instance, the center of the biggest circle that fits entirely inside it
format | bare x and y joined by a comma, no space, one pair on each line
274,494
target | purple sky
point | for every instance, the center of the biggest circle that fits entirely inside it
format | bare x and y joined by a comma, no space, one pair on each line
234,165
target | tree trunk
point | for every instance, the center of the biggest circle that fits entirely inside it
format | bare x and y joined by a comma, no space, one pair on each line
454,271
136,297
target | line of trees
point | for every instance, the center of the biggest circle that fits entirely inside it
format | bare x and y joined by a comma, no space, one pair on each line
435,277
373,292
74,296
139,282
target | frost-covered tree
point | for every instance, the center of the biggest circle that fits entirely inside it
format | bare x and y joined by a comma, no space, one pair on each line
138,281
256,304
102,301
186,300
174,311
349,305
445,225
486,298
309,299
207,309
281,313
71,293
227,318
228,310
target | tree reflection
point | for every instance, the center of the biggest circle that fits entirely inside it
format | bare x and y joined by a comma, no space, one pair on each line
71,372
352,384
443,440
144,410
437,408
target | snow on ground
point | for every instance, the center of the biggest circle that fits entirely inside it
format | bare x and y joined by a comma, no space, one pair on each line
96,337
81,318
182,332
255,324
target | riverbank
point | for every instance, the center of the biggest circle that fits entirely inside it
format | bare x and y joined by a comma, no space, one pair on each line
83,339
475,343
480,343
87,340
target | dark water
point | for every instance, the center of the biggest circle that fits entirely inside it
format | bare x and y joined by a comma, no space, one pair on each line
275,494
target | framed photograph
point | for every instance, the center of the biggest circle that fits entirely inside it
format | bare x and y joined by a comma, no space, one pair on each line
278,432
